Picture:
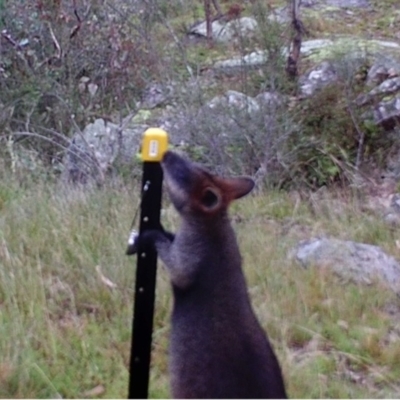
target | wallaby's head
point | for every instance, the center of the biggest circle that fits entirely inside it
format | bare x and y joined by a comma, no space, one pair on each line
194,190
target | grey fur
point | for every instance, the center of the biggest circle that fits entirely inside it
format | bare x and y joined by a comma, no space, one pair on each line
218,348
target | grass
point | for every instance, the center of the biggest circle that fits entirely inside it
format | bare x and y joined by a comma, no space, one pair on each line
65,333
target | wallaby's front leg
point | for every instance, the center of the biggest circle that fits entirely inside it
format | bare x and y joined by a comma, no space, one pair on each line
182,267
161,240
150,238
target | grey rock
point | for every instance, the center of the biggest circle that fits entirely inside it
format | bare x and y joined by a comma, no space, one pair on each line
348,3
270,100
395,203
336,3
227,31
308,47
387,87
317,50
317,78
156,94
240,27
392,211
392,219
254,59
357,262
259,58
387,114
201,29
383,68
92,153
280,15
235,101
309,3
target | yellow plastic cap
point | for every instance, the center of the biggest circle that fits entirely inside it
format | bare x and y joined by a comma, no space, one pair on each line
155,144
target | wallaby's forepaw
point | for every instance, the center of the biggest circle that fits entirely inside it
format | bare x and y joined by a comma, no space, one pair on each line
132,243
149,238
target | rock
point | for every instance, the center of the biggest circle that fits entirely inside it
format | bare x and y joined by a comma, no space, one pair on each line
321,76
259,58
156,94
382,69
385,72
387,87
94,151
281,15
392,217
336,3
395,203
357,262
318,50
237,28
309,47
387,114
254,59
270,100
235,101
348,3
201,29
226,31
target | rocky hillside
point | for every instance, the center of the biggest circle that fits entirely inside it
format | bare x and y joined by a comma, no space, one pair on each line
230,102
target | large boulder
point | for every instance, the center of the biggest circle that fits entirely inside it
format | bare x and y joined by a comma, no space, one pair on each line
352,261
383,68
387,114
320,76
93,152
260,57
226,31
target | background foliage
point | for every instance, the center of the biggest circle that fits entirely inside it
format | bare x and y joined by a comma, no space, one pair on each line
65,63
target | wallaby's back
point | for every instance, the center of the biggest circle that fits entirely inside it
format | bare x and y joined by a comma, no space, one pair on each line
218,349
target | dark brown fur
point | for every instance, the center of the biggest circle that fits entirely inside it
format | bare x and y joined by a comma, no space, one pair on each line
218,348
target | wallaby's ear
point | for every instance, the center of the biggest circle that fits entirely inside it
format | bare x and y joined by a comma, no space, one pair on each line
240,186
210,199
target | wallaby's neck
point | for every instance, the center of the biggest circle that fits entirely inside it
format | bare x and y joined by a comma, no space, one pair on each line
208,226
211,238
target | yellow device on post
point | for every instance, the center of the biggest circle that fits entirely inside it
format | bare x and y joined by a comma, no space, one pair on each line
154,145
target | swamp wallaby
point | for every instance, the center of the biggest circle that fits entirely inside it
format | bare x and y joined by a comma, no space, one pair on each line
218,348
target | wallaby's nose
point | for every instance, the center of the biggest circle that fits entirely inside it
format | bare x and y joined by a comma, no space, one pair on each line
167,155
172,159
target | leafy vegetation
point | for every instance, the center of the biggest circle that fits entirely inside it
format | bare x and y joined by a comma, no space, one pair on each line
65,64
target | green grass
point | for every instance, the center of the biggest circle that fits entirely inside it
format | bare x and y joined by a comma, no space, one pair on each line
63,332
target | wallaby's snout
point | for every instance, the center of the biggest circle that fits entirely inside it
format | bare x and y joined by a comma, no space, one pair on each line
177,169
179,178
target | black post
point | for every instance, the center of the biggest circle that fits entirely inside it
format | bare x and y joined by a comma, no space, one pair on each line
155,143
146,272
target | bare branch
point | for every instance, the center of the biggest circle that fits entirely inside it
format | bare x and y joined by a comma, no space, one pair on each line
77,27
9,39
299,30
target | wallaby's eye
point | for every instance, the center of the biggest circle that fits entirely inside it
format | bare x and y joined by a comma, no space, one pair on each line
210,198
